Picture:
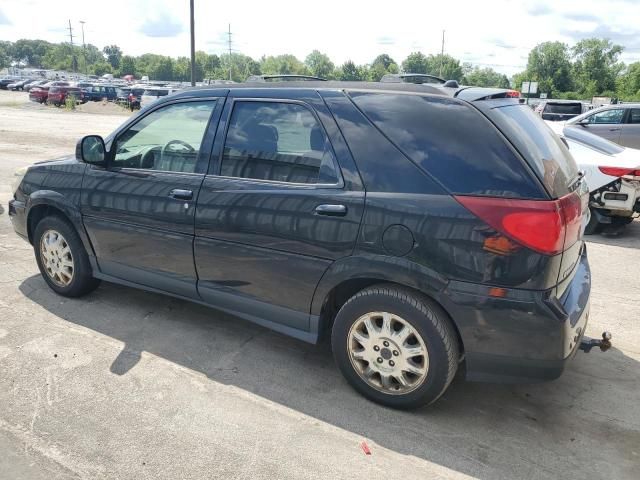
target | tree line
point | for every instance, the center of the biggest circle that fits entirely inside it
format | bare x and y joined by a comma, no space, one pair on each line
590,67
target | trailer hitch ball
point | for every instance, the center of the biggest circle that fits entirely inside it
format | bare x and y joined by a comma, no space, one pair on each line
588,343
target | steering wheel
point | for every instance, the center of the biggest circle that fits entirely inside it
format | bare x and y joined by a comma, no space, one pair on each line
183,144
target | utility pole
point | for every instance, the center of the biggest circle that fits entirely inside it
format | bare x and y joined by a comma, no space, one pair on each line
442,54
229,34
193,47
84,50
74,61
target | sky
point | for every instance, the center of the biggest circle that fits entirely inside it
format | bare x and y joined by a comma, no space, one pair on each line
488,33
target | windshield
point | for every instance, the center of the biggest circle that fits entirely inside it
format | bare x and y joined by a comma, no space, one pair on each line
563,108
581,135
546,154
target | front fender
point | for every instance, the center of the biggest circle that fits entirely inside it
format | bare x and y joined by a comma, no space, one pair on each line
56,200
398,270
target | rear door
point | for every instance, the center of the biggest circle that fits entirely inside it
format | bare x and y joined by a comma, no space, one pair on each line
274,211
630,136
606,124
139,211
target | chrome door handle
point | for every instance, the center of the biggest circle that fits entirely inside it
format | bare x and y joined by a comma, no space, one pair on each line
331,210
179,194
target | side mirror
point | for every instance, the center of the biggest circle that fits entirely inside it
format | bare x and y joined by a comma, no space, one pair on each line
584,122
91,150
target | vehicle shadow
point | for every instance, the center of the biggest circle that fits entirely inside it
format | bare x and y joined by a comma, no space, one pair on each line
628,237
584,424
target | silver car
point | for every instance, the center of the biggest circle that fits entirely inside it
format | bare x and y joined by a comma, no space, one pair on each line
619,123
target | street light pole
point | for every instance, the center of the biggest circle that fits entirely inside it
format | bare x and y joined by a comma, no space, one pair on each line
193,47
84,50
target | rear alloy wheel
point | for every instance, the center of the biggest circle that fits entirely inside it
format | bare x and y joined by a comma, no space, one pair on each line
388,353
395,346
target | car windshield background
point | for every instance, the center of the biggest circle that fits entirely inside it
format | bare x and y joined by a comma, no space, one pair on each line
167,139
279,142
612,116
596,142
429,130
563,108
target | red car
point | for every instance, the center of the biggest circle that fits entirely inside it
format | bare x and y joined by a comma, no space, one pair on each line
39,94
58,95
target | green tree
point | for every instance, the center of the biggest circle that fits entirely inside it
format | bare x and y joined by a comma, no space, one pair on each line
349,71
282,64
596,65
416,62
485,77
629,83
383,60
162,69
549,64
444,66
127,65
207,64
319,64
5,54
30,52
100,69
113,54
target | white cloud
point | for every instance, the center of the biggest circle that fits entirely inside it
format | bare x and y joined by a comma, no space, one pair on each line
496,33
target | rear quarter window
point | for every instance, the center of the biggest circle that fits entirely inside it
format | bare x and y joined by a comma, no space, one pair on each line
451,141
543,149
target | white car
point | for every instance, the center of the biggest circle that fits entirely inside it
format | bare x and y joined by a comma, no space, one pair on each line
612,173
151,94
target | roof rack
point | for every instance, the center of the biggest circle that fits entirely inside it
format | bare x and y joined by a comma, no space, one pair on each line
284,78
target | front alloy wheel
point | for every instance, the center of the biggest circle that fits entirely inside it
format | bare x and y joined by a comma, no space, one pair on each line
57,258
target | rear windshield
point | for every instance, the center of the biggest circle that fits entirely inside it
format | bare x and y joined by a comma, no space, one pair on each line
543,149
563,108
452,141
581,135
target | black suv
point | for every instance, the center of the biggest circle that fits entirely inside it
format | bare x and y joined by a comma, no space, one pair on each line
422,230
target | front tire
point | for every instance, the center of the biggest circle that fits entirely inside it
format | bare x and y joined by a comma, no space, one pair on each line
62,259
395,346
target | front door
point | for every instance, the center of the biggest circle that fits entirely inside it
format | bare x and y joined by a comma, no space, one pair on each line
275,213
139,211
606,124
630,136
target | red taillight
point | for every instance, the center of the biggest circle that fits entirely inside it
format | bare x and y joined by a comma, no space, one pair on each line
546,226
512,94
619,171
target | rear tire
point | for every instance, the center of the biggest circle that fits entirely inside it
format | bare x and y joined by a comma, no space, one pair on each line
395,346
62,258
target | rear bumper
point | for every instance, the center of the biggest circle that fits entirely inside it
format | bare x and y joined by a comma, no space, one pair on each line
523,336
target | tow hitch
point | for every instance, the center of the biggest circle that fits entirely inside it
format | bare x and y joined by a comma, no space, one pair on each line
588,343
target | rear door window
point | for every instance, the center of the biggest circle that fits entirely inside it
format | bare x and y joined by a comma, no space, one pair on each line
277,141
451,141
634,116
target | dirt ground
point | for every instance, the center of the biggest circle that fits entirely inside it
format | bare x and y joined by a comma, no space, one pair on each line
129,384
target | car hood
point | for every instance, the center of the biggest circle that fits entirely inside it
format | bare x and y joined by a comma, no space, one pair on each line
63,160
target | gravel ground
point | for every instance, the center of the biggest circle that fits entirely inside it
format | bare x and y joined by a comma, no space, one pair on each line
128,384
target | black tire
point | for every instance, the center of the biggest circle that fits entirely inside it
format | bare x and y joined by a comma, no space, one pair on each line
594,226
425,317
82,281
